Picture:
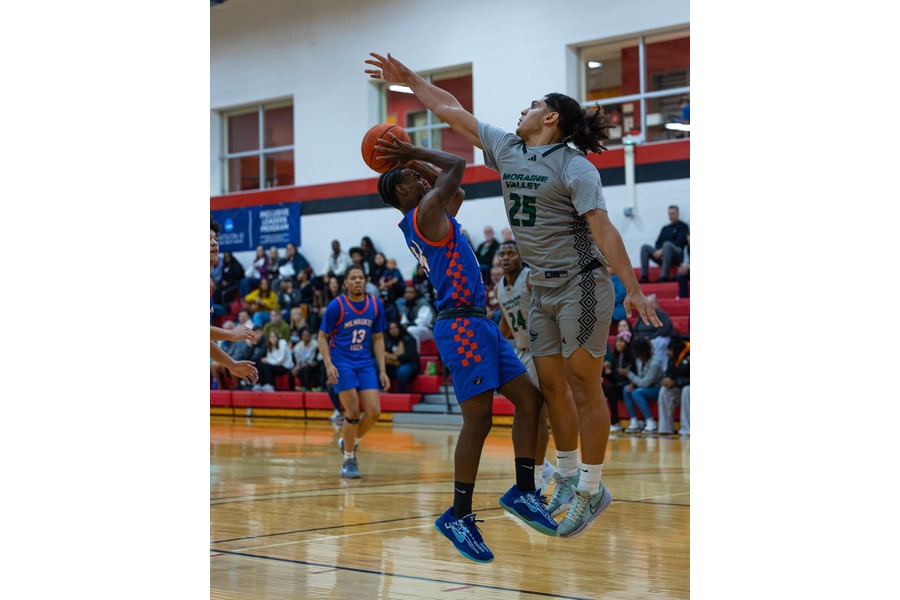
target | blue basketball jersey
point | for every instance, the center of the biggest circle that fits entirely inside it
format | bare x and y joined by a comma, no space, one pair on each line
450,264
350,326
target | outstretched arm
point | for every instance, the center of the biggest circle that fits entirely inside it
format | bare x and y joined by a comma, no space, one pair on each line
241,332
243,369
441,102
430,174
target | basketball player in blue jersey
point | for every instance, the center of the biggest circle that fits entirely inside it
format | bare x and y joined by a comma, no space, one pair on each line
351,329
557,212
243,369
469,343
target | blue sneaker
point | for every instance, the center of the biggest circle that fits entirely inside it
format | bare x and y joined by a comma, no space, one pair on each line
529,506
465,535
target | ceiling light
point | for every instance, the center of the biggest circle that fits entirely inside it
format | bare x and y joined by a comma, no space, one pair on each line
400,88
678,127
595,64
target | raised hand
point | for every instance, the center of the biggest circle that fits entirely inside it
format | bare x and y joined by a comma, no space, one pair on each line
389,69
246,370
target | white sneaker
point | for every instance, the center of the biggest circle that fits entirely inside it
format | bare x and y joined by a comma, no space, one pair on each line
634,426
615,427
268,387
651,426
684,431
547,472
256,387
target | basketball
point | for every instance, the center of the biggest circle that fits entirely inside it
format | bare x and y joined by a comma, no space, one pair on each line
371,138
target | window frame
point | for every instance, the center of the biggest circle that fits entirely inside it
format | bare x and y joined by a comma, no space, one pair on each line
261,151
643,95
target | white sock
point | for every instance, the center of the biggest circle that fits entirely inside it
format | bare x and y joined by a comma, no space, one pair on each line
538,480
567,462
349,455
590,478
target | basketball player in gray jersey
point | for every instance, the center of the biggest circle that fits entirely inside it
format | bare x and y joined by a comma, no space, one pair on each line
558,216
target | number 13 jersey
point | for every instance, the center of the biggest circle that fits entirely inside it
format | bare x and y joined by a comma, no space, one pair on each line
350,326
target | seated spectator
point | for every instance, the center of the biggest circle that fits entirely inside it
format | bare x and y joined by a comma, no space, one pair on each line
485,253
278,361
303,283
392,281
232,274
507,234
379,266
490,290
676,388
624,325
274,260
418,318
290,264
306,362
297,324
321,299
278,325
669,248
614,382
337,262
244,318
256,272
368,249
240,350
401,357
643,385
288,297
261,301
422,284
684,272
658,336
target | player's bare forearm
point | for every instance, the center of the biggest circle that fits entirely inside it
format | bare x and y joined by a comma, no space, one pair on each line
378,346
217,334
439,101
220,356
324,350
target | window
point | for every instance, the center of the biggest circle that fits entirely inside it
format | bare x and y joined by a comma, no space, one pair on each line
403,108
258,147
643,83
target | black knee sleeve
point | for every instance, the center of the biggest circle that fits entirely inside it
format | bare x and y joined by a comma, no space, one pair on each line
351,421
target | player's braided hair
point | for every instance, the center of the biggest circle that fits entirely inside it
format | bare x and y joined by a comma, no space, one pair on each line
387,186
586,129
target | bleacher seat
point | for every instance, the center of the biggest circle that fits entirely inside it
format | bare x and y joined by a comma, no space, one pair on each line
426,384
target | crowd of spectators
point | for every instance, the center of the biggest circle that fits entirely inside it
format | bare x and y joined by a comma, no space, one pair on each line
283,298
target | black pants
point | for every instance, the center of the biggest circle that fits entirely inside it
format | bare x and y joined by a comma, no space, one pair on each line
613,393
270,372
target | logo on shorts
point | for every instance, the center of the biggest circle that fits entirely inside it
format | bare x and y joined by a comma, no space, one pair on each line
477,380
532,334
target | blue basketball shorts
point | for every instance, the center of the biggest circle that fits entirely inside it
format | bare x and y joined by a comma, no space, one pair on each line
478,357
355,376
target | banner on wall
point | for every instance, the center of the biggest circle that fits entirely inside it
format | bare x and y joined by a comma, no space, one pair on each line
248,227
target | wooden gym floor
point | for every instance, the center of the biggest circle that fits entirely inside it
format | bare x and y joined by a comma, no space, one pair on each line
283,524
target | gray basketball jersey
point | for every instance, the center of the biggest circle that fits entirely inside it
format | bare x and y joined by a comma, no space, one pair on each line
515,300
546,190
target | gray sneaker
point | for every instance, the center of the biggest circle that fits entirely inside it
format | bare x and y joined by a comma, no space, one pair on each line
350,469
563,493
583,511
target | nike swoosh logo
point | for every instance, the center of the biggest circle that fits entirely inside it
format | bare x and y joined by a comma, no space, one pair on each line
460,491
528,467
593,506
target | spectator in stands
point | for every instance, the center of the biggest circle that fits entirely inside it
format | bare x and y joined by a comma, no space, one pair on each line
306,363
258,351
356,255
676,388
684,272
256,272
297,324
303,283
368,249
490,289
624,325
507,234
658,336
292,263
392,281
401,356
643,387
418,317
244,318
422,284
620,358
379,266
669,248
274,261
239,350
278,325
261,301
232,274
278,361
485,253
288,297
337,262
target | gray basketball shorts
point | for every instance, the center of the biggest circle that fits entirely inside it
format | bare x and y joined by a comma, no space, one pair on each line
525,356
574,315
